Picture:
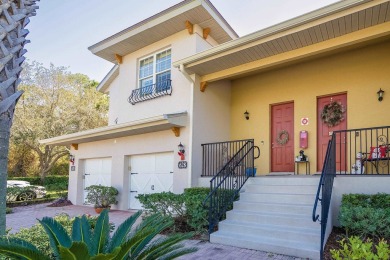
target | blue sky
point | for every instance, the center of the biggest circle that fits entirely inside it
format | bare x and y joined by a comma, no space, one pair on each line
64,29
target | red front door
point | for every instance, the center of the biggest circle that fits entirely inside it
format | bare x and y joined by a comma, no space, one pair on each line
282,136
324,133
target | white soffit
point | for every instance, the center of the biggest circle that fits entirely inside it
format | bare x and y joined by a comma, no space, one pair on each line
318,26
163,25
143,126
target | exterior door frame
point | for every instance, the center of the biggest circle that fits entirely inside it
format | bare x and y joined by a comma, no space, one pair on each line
270,133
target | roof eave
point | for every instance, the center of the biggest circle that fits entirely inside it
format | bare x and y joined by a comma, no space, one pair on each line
278,28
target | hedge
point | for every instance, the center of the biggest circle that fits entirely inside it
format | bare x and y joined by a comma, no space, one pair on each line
51,182
366,215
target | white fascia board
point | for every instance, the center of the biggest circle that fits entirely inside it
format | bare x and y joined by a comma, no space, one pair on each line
107,80
286,25
174,119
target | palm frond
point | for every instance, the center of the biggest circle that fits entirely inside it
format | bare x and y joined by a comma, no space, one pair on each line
111,256
81,231
101,233
135,240
20,250
57,234
77,251
176,253
163,245
122,231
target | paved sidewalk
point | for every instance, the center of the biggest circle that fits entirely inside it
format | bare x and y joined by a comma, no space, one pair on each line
27,216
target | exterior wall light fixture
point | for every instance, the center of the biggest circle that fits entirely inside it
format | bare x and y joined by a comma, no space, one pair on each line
380,94
246,114
181,152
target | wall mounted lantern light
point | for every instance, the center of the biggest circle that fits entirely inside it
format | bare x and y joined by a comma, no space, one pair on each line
181,152
71,158
380,94
246,114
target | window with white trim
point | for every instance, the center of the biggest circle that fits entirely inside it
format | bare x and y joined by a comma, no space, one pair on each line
155,70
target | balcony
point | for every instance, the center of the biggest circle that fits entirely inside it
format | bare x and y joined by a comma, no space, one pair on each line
150,92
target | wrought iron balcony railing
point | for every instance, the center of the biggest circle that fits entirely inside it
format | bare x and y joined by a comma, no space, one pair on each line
150,92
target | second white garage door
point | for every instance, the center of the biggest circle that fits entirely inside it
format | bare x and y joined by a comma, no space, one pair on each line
149,173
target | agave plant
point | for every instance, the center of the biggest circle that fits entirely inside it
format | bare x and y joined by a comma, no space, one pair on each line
141,242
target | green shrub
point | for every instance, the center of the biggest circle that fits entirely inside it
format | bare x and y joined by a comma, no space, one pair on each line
60,180
366,215
37,236
8,210
355,248
166,203
197,214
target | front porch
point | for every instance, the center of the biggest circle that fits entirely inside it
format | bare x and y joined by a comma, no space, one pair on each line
277,211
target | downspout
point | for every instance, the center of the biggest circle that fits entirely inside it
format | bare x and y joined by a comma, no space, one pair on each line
191,110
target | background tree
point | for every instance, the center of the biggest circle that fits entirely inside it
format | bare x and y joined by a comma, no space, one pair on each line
14,16
55,102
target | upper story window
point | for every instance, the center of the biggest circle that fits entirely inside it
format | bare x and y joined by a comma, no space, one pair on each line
154,77
155,69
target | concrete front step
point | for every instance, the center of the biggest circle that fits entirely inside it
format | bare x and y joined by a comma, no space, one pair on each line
307,235
285,180
274,215
277,197
267,244
292,189
280,219
283,208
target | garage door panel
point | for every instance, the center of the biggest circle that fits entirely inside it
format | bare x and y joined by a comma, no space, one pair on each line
97,172
154,175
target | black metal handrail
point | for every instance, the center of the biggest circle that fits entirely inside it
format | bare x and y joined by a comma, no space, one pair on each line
226,184
350,152
153,91
325,187
363,151
216,155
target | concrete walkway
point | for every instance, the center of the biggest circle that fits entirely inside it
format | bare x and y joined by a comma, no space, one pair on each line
24,217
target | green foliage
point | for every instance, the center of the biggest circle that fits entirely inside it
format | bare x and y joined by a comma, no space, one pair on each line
14,192
165,203
37,236
380,200
87,243
366,215
55,102
61,180
8,210
355,248
196,212
188,206
101,196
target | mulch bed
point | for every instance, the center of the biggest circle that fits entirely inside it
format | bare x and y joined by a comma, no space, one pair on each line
61,202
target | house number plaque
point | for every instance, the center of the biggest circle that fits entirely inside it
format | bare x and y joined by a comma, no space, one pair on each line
182,165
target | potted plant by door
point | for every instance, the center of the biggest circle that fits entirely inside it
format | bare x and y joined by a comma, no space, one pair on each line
101,196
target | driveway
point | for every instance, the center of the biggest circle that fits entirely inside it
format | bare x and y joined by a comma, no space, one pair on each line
24,217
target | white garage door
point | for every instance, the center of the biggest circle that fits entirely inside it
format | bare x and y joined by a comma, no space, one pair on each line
150,173
97,172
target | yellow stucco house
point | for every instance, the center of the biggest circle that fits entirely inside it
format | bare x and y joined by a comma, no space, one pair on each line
297,104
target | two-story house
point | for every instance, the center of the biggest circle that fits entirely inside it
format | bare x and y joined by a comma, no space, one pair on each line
310,93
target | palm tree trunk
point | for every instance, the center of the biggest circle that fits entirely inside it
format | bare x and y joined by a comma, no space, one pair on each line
14,15
5,124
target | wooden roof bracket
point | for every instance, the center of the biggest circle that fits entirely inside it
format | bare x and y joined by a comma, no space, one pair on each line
118,58
75,146
190,27
176,131
206,32
203,86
